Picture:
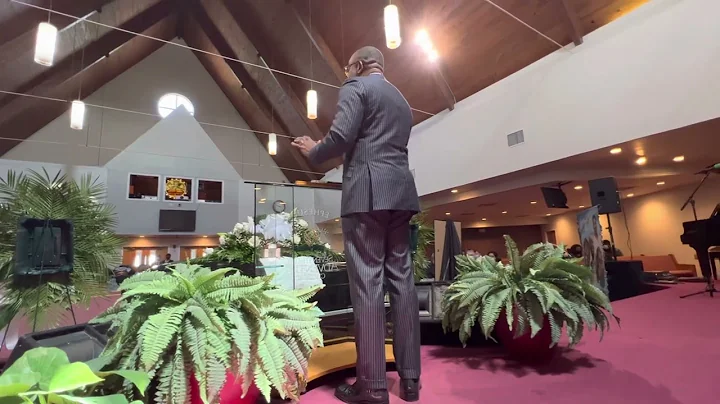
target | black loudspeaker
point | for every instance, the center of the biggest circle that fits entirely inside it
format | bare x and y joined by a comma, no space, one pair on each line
43,247
604,194
625,279
81,342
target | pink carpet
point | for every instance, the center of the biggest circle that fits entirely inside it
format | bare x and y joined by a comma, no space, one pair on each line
667,352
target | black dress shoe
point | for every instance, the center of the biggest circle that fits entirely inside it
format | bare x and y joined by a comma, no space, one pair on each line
353,394
410,389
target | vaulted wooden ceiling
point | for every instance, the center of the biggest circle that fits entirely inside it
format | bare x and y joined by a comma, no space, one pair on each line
478,43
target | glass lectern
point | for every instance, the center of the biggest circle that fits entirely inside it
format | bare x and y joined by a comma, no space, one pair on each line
300,242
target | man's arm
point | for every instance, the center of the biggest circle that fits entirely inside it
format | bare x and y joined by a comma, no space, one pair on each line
345,127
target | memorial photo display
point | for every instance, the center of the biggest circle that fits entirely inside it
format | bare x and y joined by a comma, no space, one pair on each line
210,191
178,189
144,187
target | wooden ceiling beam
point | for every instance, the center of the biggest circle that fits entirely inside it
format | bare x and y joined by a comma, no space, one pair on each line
573,22
87,44
293,165
18,22
222,26
24,116
319,43
438,68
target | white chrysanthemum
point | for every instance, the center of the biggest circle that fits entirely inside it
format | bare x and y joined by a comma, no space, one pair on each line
239,228
222,240
254,241
208,251
276,227
296,239
302,223
327,245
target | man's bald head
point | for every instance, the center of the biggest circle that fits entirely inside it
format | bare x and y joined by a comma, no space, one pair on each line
366,60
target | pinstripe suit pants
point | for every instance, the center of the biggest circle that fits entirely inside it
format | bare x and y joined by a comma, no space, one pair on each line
377,249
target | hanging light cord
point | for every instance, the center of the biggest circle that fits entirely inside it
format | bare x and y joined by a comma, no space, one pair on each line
139,113
193,49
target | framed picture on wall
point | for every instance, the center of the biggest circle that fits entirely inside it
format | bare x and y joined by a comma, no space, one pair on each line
143,186
210,191
178,189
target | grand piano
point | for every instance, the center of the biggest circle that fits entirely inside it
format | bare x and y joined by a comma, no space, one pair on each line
701,235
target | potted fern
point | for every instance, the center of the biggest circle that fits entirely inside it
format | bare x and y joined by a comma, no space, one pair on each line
527,302
206,336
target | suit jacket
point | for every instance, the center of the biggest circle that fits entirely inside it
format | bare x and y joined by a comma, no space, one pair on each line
371,128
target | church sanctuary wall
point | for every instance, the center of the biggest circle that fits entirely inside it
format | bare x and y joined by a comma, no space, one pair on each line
655,222
108,132
484,240
77,172
642,74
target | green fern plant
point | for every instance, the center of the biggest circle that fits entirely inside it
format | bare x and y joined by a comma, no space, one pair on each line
194,321
537,284
96,248
426,236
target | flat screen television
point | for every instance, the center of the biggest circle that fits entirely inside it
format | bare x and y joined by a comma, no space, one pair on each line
177,221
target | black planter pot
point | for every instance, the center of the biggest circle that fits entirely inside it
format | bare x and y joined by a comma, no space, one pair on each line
247,269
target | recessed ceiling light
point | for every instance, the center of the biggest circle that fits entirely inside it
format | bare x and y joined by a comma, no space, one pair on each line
142,236
641,161
205,236
454,191
484,219
616,150
504,212
678,159
533,202
447,213
578,187
630,195
547,214
257,188
581,206
337,220
661,183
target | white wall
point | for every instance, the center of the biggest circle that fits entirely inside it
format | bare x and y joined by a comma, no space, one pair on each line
653,70
107,132
175,146
77,172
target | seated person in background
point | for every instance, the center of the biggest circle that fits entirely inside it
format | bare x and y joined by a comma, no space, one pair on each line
495,255
575,251
168,259
608,250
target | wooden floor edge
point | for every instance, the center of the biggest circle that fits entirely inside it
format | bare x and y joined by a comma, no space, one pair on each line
336,355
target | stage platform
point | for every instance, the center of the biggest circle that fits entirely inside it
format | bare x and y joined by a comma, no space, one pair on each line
667,351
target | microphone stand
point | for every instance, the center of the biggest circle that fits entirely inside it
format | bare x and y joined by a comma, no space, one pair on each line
691,201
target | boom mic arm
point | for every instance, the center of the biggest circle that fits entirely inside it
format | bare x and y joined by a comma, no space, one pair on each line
715,168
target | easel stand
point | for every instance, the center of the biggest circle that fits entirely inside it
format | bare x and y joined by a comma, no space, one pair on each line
710,287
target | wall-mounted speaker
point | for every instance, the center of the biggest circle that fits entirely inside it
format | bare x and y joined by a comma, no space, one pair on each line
604,194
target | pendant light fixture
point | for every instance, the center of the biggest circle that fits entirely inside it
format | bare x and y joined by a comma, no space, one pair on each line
312,98
77,115
392,27
312,104
272,144
45,44
77,111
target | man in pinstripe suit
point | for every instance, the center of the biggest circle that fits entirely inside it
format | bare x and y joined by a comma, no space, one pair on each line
371,129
